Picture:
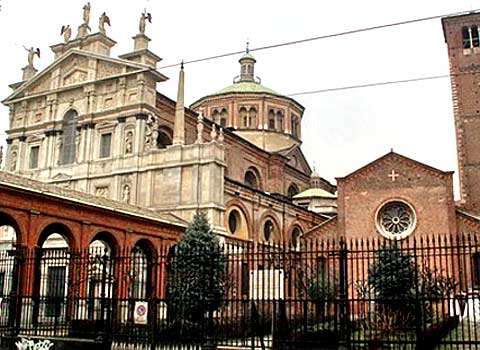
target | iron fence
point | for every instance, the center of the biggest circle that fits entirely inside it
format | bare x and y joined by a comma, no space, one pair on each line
325,294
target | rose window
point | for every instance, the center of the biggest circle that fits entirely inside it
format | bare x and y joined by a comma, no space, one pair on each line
396,220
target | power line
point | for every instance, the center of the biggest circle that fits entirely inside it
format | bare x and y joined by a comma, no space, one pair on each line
369,85
301,41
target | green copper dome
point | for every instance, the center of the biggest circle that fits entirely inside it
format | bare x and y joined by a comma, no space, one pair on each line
247,87
249,56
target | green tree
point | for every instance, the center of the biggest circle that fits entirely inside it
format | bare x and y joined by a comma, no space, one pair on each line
393,276
197,273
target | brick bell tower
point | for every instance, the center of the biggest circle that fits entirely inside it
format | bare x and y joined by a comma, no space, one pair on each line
463,42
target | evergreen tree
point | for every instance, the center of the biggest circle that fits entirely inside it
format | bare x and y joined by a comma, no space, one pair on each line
197,273
393,277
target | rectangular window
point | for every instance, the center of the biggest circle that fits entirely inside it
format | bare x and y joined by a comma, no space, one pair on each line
55,292
33,162
105,145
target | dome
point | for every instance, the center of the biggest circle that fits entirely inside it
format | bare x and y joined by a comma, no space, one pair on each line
247,87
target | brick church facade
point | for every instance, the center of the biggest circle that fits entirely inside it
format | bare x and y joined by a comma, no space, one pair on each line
99,124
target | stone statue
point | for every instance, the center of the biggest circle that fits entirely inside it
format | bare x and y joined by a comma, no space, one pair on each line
151,132
126,193
213,133
13,161
66,32
200,128
101,24
59,144
129,142
221,136
86,14
31,54
143,19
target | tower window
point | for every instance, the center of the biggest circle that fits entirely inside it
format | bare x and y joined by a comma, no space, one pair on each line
280,121
33,161
470,37
105,145
271,120
243,117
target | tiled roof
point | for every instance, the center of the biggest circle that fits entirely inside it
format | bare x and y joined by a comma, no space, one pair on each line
11,180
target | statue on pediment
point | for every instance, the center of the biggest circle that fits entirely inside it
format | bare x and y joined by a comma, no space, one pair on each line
31,55
146,16
86,14
104,19
66,32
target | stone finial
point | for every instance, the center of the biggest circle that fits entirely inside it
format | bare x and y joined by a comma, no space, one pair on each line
213,133
200,128
179,126
221,136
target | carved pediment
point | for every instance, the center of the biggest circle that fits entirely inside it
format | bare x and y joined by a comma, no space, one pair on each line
76,67
297,160
75,76
61,176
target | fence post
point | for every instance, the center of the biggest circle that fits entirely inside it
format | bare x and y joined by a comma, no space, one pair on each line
343,297
14,307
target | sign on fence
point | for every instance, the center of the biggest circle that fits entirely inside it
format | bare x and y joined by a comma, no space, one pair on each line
141,312
267,284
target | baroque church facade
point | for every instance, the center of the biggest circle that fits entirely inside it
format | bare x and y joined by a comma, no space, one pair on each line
100,124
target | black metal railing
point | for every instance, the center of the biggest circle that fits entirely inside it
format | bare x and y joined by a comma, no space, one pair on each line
353,294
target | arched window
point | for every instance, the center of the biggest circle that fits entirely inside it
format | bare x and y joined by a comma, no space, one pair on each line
140,271
69,128
280,121
292,191
251,179
100,277
164,138
215,116
271,119
268,230
252,117
295,240
223,118
243,116
295,126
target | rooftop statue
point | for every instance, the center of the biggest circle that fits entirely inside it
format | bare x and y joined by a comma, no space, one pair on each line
101,24
66,32
86,14
145,16
31,54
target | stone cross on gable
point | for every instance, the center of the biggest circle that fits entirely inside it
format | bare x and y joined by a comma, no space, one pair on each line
393,175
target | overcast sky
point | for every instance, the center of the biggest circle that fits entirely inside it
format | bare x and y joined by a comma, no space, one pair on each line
342,130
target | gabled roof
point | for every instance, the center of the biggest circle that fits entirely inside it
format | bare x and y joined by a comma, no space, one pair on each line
295,150
73,52
394,155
